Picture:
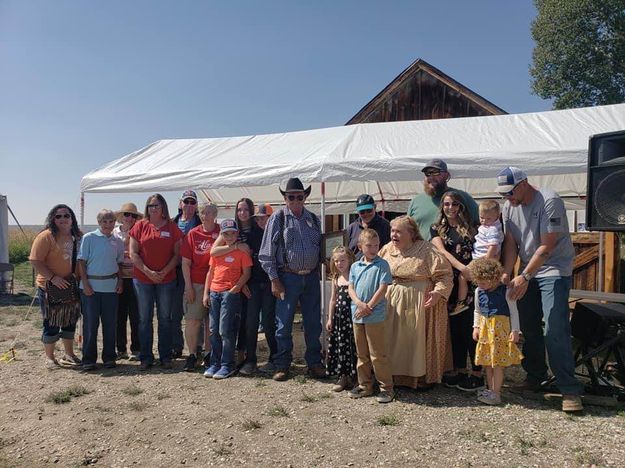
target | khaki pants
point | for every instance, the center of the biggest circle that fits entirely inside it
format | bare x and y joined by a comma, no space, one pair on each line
371,349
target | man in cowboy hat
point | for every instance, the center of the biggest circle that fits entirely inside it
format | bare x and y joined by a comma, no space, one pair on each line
127,309
290,254
425,207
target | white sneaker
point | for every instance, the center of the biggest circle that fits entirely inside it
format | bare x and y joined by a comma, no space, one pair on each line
489,398
52,364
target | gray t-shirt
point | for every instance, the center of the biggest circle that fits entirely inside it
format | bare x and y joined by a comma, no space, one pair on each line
545,214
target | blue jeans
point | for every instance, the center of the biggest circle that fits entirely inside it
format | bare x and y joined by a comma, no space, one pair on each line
147,295
51,334
304,289
101,306
177,312
262,303
548,298
224,314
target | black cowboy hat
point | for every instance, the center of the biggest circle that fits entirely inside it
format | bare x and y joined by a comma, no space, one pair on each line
295,185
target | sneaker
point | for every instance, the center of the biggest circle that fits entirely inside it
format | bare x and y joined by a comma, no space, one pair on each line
385,397
248,368
145,365
269,368
489,398
281,375
89,367
122,355
359,392
133,357
110,364
471,384
211,371
572,403
224,373
70,361
52,364
451,381
189,365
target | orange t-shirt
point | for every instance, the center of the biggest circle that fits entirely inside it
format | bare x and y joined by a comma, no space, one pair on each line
57,257
227,269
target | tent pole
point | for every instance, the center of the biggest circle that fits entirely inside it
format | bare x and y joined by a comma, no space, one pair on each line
323,269
82,210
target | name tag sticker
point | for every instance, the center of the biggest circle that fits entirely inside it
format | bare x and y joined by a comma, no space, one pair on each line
165,234
229,259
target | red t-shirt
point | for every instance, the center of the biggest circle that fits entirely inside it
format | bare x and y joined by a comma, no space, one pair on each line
156,247
197,246
227,269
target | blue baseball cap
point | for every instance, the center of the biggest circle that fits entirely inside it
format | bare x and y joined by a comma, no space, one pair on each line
509,178
229,225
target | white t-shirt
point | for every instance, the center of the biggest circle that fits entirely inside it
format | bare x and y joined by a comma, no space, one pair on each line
485,237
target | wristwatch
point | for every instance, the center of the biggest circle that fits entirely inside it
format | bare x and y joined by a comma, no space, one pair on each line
526,276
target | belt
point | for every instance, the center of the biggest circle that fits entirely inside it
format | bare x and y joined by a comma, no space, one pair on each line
102,277
297,272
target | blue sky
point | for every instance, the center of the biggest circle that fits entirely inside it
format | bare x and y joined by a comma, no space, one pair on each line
85,82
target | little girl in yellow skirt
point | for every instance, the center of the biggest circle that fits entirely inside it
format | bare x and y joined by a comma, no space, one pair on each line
495,327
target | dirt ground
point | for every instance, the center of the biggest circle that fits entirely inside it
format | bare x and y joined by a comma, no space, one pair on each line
172,418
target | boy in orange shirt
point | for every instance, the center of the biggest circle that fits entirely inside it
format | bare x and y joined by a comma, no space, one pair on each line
226,276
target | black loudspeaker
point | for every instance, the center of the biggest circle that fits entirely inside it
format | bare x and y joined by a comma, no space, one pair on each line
605,192
593,324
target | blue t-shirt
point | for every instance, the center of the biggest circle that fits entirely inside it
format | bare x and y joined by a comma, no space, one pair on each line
366,278
102,256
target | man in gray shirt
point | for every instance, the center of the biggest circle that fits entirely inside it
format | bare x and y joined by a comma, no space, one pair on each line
537,231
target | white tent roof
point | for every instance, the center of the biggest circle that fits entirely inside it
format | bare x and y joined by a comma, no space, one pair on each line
383,159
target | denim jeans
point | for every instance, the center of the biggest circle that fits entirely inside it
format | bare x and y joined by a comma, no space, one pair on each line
224,314
304,289
128,311
100,306
51,334
261,304
548,298
177,312
147,295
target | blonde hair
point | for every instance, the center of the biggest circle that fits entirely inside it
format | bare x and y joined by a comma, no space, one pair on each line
206,205
410,224
368,234
489,206
485,269
334,273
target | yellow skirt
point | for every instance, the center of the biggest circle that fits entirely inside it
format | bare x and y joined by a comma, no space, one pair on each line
494,348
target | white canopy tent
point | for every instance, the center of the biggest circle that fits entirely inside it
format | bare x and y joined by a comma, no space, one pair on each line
383,159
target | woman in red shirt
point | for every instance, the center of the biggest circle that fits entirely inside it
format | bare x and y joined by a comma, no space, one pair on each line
154,249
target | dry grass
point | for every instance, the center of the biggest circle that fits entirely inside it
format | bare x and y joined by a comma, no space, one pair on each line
19,245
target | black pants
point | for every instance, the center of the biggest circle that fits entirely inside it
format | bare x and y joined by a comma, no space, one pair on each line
461,328
128,310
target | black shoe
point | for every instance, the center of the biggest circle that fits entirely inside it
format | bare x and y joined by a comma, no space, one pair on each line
176,354
189,366
166,364
451,381
145,365
206,361
471,384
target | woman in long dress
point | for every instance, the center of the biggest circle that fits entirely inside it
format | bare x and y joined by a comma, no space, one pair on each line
417,324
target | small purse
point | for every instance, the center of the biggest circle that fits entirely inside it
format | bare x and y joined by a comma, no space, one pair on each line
62,306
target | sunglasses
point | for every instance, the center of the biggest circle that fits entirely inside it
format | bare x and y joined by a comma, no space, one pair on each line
370,210
295,197
509,194
59,216
432,173
189,201
130,214
154,206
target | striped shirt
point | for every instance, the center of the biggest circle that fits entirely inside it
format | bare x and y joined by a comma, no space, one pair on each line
299,247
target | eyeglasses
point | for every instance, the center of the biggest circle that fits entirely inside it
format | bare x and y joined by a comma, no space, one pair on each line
130,214
448,204
189,201
295,197
432,173
59,216
154,206
370,210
